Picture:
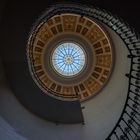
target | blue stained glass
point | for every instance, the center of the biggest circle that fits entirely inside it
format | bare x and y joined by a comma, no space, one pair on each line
68,59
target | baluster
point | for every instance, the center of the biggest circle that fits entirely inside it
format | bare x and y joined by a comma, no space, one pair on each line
123,132
134,101
116,135
132,119
129,126
133,109
134,93
136,117
128,131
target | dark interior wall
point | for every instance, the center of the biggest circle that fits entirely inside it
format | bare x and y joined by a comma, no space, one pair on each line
128,10
2,6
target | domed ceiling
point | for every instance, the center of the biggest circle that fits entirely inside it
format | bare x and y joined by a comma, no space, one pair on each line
70,56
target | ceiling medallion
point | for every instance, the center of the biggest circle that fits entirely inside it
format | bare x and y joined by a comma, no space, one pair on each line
70,56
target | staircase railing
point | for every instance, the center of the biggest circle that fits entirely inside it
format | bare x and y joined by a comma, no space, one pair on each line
128,125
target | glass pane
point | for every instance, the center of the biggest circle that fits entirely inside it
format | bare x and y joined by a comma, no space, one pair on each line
68,59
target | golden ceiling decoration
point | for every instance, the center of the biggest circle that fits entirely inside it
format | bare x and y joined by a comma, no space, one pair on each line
69,27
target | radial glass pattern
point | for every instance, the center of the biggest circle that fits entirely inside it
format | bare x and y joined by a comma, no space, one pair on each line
68,59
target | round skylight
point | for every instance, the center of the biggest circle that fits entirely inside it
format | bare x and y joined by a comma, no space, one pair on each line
68,59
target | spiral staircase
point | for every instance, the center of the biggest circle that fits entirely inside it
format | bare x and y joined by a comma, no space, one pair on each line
30,110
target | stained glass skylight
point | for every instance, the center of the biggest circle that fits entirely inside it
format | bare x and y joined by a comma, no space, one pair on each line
68,59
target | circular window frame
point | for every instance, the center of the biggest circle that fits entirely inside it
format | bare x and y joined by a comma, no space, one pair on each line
83,52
